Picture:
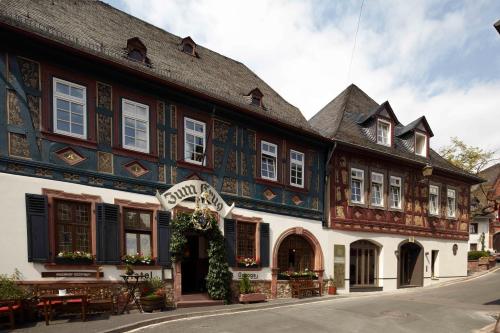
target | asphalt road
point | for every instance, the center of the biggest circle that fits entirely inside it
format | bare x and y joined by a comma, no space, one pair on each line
459,307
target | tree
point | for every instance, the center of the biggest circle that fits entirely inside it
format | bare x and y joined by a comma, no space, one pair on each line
469,158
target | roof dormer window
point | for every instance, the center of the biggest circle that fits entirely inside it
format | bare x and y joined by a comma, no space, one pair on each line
137,51
420,144
383,132
188,46
256,97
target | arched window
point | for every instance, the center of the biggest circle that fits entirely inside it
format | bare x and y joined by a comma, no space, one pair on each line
295,254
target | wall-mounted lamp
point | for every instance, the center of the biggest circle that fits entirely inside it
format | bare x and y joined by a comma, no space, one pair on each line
426,173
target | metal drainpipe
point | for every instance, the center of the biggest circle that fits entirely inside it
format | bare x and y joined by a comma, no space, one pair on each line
326,205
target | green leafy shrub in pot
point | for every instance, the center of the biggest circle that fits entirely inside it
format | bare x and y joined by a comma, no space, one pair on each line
9,289
474,255
245,286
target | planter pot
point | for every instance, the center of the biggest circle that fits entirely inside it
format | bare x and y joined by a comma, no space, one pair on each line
69,261
332,290
253,297
152,304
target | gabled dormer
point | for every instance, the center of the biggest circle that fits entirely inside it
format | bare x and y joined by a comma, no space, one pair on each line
380,123
137,51
255,96
188,46
419,133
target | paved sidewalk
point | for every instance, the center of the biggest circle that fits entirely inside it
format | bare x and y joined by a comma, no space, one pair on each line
125,322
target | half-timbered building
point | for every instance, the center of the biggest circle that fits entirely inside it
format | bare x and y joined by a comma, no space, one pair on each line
398,212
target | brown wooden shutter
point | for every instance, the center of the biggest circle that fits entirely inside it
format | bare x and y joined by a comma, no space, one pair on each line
164,234
264,244
108,234
230,238
37,217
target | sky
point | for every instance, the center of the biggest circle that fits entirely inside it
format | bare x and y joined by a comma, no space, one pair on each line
440,59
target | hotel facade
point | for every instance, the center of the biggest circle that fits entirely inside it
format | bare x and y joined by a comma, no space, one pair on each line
101,113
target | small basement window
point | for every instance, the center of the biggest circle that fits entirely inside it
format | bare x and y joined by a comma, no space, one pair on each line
420,144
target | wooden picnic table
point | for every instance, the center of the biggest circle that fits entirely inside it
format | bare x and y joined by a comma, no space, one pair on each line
49,299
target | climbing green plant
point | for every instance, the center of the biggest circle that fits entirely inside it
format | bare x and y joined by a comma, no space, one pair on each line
219,276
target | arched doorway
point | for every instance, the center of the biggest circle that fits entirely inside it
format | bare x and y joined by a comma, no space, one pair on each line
363,265
496,242
410,265
295,254
307,254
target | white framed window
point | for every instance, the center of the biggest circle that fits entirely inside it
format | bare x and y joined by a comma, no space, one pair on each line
135,126
383,132
268,159
296,168
451,202
194,141
420,144
433,200
357,185
395,192
377,189
70,108
473,228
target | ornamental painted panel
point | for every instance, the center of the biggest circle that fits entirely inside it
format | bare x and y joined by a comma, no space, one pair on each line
104,131
104,162
43,172
18,145
221,129
173,175
297,200
229,185
315,203
96,181
70,156
269,194
218,157
245,189
161,113
340,212
14,109
231,162
161,143
173,116
161,173
34,108
104,96
30,72
252,140
136,169
243,167
173,147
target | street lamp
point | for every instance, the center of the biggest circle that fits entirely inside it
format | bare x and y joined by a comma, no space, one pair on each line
497,26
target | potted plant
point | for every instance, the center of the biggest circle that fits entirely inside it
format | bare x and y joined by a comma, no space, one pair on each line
137,259
246,291
247,262
332,288
153,295
74,258
129,270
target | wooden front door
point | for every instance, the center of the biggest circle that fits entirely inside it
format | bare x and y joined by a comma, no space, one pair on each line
496,243
194,265
411,265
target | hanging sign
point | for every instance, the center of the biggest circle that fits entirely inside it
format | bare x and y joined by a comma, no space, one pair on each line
194,189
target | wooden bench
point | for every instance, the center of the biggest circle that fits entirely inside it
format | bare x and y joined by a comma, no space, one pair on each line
305,288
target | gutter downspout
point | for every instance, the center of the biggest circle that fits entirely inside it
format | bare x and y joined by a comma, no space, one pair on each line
326,206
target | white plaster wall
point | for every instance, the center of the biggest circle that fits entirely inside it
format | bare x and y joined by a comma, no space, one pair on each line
482,226
13,236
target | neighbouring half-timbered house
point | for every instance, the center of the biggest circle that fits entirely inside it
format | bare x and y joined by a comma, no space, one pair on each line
398,212
99,110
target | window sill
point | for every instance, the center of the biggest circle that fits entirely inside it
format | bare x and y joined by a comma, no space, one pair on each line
358,204
268,182
377,207
396,210
237,268
297,189
196,167
87,143
135,154
54,266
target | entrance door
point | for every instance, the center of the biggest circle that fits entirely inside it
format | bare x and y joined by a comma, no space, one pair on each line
363,268
411,265
496,243
433,262
194,265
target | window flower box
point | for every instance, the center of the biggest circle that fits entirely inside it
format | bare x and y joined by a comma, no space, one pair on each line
138,259
74,258
247,262
252,297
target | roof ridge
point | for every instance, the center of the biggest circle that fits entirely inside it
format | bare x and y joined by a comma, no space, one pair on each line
343,107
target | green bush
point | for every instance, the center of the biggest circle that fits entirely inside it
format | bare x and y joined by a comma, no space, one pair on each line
474,255
9,288
245,286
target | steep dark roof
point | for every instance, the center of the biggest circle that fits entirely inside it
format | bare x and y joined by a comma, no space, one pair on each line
376,111
99,29
413,125
339,120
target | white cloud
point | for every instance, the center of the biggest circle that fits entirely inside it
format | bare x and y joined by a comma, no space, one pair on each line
305,58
